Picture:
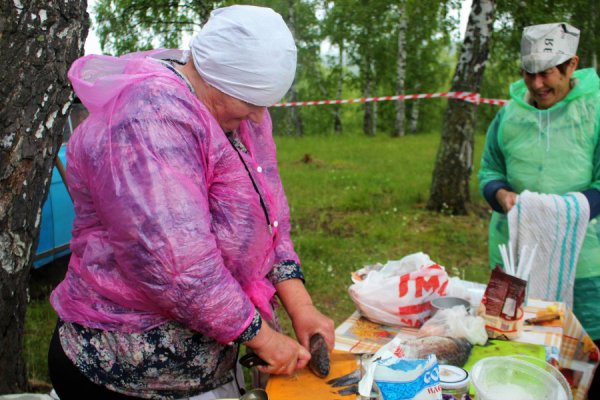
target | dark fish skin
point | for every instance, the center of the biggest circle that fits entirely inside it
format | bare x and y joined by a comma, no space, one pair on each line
345,380
452,351
319,356
347,391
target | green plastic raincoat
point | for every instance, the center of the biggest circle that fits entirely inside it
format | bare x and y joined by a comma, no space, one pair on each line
551,151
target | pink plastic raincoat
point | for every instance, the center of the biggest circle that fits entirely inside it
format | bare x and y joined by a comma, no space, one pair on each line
169,225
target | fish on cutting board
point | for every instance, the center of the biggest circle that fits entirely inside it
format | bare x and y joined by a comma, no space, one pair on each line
319,362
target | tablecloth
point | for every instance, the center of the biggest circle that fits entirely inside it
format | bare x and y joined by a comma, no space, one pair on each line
566,342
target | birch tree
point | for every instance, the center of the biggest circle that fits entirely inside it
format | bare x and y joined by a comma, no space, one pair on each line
400,67
38,42
453,166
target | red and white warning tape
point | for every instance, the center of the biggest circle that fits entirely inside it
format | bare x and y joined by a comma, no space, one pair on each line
466,96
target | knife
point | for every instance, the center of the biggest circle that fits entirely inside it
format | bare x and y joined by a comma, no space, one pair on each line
252,360
544,318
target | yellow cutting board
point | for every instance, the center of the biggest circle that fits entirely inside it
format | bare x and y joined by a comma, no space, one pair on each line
306,385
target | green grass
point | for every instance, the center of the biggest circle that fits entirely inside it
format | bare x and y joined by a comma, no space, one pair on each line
354,200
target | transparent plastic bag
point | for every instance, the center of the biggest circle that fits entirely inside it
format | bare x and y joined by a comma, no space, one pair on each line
456,322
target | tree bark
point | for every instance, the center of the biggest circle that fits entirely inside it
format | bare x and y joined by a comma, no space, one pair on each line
414,116
38,42
400,69
450,183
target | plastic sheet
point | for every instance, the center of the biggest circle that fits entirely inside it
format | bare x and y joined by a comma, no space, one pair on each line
169,225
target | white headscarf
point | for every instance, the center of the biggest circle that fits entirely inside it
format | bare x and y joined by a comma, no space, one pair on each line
246,52
547,45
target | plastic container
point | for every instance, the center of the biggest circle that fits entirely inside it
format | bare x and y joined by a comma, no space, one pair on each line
442,303
548,368
500,378
455,381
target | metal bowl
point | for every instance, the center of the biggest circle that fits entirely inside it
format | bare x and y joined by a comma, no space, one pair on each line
442,303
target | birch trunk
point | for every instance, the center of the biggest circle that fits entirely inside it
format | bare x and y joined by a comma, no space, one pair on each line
400,69
39,39
450,182
414,116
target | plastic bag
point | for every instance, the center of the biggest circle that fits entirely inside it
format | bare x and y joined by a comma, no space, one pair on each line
398,376
456,322
400,293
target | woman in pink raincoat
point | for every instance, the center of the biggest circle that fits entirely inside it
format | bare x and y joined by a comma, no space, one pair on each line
182,234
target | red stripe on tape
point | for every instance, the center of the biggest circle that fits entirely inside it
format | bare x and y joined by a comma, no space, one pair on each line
466,96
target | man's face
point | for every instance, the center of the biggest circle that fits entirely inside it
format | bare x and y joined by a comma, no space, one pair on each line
550,86
230,112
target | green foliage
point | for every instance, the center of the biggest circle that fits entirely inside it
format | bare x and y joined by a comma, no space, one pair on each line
363,50
362,46
129,25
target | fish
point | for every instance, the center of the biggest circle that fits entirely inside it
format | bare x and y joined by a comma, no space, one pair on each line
451,351
349,379
319,362
349,390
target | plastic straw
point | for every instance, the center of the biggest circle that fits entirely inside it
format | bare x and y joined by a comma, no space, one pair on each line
522,261
511,258
505,259
503,255
527,270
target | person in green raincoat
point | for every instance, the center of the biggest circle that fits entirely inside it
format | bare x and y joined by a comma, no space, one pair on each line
546,140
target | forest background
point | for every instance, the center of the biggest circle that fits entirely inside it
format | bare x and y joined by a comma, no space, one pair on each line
358,175
356,48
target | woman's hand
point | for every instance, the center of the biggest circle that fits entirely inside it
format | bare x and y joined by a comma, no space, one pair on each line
283,354
306,319
506,199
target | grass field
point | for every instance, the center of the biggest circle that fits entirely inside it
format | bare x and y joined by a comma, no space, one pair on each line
354,200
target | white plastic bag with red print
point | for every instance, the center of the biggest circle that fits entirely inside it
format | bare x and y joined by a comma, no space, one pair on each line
399,292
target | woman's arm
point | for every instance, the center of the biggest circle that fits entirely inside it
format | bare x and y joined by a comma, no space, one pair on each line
306,319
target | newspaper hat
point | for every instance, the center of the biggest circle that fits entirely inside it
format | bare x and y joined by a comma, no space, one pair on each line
548,45
247,52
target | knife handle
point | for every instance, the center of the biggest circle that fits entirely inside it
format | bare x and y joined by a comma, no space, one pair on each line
544,318
252,360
